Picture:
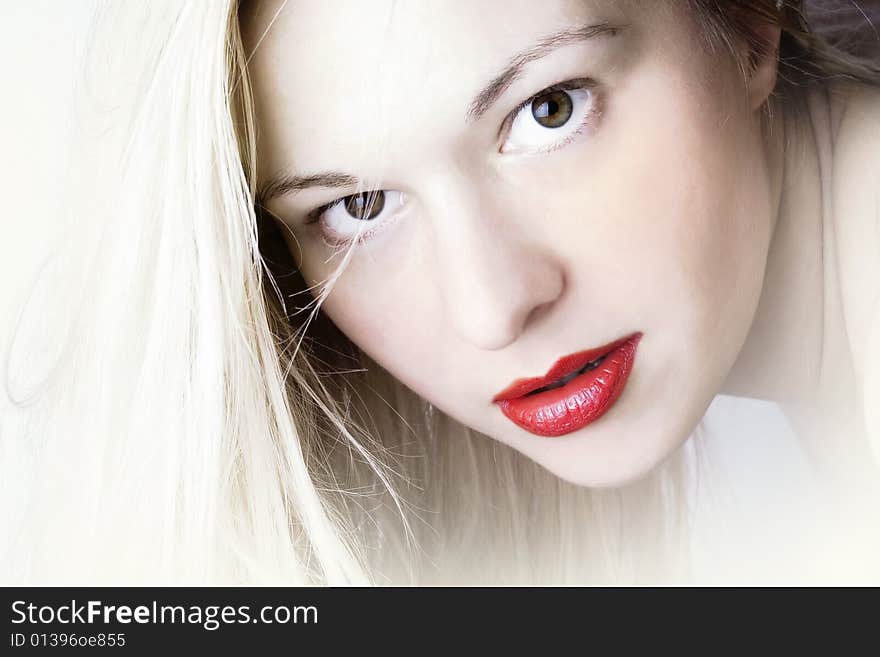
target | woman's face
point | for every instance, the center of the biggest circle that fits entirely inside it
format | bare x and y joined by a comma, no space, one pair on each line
554,177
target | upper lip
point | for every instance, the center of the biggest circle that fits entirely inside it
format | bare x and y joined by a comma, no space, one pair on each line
562,367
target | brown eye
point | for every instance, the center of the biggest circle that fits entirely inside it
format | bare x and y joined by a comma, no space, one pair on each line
552,109
358,217
366,205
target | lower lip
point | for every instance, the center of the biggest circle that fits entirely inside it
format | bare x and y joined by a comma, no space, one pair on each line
579,402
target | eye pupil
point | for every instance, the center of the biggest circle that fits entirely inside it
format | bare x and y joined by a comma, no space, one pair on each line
366,205
552,109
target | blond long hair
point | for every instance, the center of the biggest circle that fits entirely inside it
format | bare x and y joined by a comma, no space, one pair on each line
192,427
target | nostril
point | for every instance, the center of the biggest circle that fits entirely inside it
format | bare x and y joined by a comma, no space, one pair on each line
547,292
536,314
493,290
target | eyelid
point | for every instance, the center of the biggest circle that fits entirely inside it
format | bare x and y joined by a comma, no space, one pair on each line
314,216
567,85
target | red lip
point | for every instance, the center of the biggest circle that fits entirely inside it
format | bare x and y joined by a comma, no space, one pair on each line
578,402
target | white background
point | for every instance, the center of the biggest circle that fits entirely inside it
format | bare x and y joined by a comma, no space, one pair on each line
38,42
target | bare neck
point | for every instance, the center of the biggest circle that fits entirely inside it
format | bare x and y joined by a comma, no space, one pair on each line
796,350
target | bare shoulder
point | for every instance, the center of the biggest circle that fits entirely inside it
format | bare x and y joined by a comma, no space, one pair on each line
855,114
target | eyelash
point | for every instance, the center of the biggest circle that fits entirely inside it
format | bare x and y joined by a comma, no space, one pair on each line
314,216
568,85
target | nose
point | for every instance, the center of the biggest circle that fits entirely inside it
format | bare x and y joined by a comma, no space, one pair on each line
495,282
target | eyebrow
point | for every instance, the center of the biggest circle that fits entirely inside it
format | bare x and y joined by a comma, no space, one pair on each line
493,91
285,183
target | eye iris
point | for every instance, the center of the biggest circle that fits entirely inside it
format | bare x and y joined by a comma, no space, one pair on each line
552,109
366,205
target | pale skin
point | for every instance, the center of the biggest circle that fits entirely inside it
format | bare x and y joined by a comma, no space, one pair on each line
671,211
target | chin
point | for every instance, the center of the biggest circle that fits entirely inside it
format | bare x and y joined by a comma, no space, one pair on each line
614,459
608,479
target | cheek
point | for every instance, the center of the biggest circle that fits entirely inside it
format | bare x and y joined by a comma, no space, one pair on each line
704,199
671,215
388,311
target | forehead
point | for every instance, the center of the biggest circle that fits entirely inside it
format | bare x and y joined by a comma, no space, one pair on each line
336,78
